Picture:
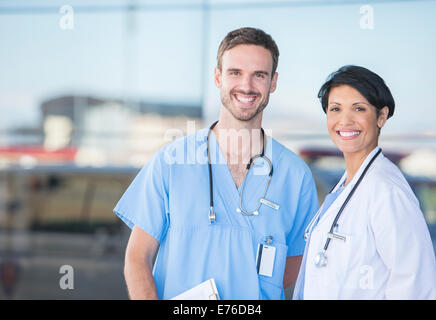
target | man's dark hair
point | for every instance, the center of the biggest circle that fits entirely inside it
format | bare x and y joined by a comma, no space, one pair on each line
369,84
249,36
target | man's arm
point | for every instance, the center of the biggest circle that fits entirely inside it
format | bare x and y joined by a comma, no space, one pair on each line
291,270
140,252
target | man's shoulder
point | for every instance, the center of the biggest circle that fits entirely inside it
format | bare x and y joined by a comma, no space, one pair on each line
196,137
287,157
182,149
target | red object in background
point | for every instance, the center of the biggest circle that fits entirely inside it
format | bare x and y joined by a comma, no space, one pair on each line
9,275
315,153
39,153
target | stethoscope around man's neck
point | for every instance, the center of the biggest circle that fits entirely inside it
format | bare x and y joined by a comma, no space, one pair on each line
212,216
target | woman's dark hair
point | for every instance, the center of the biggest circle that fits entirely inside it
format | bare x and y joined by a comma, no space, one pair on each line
369,84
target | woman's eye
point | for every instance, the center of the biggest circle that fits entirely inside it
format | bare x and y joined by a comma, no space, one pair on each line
360,109
334,109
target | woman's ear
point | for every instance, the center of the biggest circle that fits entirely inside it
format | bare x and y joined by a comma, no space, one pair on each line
382,117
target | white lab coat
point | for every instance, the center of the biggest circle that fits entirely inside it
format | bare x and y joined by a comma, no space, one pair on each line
388,253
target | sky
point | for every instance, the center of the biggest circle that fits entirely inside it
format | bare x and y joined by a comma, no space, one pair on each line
158,54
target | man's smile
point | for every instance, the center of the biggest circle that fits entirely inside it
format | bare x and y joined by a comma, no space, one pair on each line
246,100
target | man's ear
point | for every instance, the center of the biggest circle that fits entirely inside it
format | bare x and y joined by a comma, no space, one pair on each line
383,116
217,77
273,82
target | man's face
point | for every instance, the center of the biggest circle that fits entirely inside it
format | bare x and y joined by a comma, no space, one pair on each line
245,80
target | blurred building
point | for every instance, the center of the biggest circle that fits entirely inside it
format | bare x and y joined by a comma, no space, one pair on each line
102,131
77,108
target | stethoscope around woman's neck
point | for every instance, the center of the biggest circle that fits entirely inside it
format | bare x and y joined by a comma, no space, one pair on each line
321,258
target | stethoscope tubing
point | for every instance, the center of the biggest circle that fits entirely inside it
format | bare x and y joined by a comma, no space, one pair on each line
252,160
338,215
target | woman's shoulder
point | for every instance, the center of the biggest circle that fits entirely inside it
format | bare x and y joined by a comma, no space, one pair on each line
386,178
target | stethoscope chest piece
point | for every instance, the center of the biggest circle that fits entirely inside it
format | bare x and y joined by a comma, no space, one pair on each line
321,259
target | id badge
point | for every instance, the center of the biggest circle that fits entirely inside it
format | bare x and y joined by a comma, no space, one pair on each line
265,259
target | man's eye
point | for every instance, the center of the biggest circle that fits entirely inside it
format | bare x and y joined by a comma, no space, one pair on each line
234,73
260,75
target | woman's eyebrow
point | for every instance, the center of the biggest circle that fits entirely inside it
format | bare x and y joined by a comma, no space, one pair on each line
360,102
357,102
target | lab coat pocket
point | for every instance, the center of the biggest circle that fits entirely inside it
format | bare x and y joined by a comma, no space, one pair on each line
353,256
272,287
341,256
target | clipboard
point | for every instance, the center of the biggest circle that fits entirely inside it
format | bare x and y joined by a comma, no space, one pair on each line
204,291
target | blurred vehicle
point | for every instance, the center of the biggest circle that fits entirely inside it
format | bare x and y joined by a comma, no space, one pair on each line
57,216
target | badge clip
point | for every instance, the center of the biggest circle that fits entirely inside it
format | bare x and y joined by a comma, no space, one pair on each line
270,204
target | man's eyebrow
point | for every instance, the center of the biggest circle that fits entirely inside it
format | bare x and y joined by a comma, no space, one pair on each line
262,72
257,71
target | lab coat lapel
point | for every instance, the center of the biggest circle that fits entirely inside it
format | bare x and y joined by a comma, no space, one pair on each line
336,205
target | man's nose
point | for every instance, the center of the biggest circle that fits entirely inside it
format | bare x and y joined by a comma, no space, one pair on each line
246,83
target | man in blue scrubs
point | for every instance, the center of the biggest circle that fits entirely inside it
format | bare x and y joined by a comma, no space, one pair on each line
167,205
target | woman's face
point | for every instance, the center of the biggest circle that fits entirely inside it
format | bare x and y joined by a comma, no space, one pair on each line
352,121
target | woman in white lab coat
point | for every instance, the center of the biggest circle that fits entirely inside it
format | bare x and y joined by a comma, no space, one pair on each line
369,240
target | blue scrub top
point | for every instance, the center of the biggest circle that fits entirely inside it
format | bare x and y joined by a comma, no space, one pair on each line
169,199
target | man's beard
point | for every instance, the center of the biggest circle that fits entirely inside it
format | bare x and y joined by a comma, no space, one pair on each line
226,100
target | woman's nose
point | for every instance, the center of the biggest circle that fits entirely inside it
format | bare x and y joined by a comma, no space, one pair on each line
346,118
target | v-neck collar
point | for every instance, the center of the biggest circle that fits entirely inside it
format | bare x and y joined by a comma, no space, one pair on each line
229,190
221,162
334,207
222,159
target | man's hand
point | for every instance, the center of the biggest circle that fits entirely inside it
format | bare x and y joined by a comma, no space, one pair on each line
291,270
